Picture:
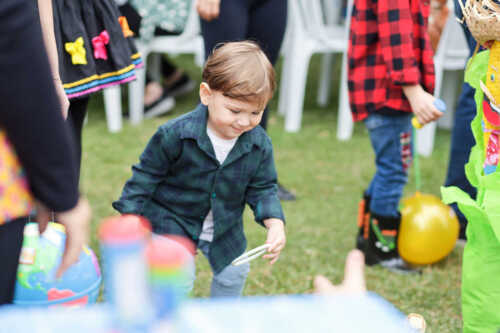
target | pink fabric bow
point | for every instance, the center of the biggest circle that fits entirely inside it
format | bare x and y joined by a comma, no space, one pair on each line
99,42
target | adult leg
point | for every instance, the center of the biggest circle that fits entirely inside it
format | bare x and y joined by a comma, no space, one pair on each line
231,25
76,117
266,25
462,139
11,240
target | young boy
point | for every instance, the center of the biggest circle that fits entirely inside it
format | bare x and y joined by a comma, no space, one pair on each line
198,170
391,75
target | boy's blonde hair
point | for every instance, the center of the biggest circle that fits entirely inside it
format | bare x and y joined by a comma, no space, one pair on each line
240,70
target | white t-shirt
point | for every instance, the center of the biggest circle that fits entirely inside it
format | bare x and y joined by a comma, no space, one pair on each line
222,148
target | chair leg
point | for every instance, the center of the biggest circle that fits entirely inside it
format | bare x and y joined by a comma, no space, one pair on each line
425,139
284,81
113,108
325,80
344,121
297,79
136,96
449,94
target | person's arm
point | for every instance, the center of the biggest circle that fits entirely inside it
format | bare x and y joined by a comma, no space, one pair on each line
395,30
47,23
29,114
261,195
208,9
152,168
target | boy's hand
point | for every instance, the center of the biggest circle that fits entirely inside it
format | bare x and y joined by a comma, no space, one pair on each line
422,104
276,237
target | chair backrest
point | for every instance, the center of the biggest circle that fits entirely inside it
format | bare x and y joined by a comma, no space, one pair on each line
192,27
452,51
317,17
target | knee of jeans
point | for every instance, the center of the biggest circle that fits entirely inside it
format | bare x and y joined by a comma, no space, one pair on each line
233,275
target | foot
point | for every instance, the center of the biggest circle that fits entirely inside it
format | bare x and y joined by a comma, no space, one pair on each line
156,101
284,194
398,265
179,84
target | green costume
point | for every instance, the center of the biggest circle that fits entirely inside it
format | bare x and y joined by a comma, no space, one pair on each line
481,260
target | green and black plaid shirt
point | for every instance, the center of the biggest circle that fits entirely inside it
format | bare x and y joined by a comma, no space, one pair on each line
178,180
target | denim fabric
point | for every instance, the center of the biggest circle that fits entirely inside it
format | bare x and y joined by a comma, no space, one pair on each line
229,282
462,139
391,159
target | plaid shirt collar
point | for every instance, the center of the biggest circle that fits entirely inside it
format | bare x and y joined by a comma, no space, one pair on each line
197,130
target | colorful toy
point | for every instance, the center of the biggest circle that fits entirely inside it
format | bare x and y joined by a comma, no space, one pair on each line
123,243
171,267
481,259
429,230
40,257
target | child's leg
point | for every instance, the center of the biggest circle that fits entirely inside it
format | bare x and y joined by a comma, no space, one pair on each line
379,217
230,281
391,141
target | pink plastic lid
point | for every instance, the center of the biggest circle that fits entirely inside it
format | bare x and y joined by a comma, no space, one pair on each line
124,229
169,251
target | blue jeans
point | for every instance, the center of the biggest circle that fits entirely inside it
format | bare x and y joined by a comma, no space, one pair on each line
227,283
391,141
462,139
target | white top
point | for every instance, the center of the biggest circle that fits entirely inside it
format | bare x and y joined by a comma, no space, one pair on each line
222,148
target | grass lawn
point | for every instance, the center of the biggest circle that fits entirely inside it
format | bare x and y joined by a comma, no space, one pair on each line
328,177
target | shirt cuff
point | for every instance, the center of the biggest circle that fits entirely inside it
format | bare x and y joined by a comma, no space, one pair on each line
269,207
406,77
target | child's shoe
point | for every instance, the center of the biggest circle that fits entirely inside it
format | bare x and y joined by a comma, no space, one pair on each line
377,238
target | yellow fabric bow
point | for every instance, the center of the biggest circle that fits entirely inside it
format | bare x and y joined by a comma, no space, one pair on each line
77,51
125,27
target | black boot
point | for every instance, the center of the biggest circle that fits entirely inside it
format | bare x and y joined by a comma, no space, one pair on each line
363,222
377,238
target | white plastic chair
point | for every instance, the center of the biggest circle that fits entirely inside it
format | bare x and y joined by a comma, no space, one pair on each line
310,32
189,41
450,59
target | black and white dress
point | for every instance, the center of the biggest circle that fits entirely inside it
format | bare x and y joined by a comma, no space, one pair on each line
95,46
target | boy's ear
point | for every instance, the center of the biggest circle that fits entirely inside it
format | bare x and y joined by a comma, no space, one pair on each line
205,93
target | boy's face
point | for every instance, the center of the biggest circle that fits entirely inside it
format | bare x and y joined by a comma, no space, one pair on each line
228,117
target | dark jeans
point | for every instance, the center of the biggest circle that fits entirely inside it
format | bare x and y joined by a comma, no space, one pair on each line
462,139
11,240
263,21
391,141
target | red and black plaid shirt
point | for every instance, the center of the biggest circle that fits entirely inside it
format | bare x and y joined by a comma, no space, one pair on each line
388,47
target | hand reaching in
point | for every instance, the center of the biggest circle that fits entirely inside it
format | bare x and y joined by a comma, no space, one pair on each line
354,277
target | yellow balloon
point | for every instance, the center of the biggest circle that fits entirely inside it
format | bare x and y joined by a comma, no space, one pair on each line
428,231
